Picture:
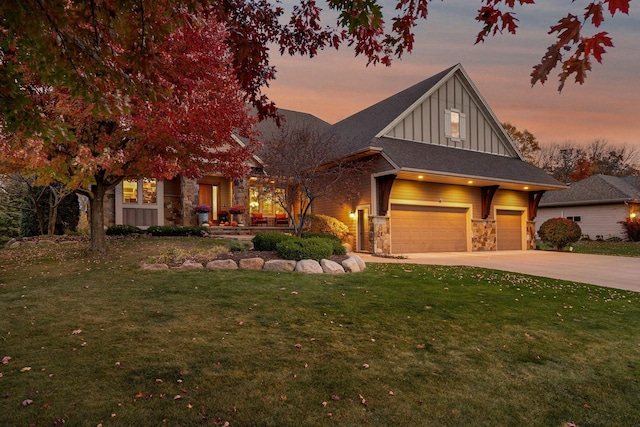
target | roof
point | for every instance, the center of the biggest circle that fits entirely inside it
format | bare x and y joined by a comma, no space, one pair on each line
268,127
439,160
597,189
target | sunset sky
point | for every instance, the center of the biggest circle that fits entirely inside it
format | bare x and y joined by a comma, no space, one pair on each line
334,85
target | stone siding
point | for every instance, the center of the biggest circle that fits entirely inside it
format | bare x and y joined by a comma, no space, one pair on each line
531,234
241,197
483,235
189,192
380,232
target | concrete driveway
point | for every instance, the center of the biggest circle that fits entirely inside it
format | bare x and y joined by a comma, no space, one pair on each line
610,271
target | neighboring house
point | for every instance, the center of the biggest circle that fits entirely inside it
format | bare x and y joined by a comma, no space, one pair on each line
446,176
597,204
148,202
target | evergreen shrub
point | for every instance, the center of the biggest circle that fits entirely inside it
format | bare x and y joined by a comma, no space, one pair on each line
632,229
338,249
123,230
267,241
297,248
176,230
327,225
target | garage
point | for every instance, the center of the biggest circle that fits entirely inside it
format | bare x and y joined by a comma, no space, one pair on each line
428,229
509,229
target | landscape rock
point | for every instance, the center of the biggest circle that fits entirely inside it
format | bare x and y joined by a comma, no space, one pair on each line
351,265
280,265
14,245
360,262
252,263
190,265
9,244
222,264
154,267
331,267
308,266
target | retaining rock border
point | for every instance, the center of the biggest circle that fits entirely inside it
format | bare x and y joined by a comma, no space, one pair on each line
352,264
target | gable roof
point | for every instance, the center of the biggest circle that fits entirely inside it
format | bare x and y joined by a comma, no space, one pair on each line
597,189
371,130
268,127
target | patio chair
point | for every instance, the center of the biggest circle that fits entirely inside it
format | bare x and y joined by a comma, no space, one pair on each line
281,219
257,218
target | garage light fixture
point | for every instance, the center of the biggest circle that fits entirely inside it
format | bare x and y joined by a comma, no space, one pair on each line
420,176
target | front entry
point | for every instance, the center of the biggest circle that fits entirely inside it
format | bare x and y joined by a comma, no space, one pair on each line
208,194
362,243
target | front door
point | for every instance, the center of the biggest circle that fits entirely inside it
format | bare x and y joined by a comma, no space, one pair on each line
362,244
208,194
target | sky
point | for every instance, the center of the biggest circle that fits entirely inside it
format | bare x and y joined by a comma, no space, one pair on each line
335,85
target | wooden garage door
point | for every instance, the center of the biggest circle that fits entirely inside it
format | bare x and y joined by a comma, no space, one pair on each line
509,230
428,229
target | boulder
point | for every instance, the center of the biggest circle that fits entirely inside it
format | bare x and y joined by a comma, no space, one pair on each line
360,262
280,265
331,267
252,263
190,265
308,266
14,245
351,265
154,267
222,264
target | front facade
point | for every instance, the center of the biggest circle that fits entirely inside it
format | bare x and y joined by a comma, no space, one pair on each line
446,177
597,204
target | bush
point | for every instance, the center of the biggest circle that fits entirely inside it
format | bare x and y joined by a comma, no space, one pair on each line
175,230
632,229
67,217
267,241
123,230
239,246
326,225
297,248
338,249
559,232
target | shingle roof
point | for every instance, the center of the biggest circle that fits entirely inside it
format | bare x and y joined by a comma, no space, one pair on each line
268,127
452,161
597,189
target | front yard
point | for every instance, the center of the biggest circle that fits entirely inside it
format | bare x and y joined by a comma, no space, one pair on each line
96,341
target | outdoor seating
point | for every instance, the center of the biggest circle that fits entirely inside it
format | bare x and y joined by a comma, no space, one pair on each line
257,218
281,219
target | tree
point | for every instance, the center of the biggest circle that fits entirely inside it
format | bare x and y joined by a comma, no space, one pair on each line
302,166
559,232
188,130
525,141
11,197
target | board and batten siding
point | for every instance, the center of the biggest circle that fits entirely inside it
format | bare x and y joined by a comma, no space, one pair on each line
437,193
513,200
426,122
595,220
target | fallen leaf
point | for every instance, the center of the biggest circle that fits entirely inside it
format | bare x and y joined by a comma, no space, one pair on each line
189,406
76,332
48,405
6,359
362,400
176,397
391,393
324,404
283,397
27,402
25,369
365,366
335,397
298,345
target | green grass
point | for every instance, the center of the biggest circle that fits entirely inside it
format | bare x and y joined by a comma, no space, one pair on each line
422,345
599,247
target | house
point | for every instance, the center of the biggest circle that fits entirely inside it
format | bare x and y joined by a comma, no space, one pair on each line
446,176
146,202
597,204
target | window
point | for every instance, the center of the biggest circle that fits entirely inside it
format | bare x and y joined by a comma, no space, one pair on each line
265,201
455,125
132,190
575,218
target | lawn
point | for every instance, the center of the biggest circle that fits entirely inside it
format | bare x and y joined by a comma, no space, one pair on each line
95,341
599,247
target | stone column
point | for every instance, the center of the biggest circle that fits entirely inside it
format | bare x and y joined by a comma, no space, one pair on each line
483,235
531,234
241,197
189,192
379,230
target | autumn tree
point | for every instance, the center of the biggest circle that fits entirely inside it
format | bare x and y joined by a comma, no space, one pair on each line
525,141
302,166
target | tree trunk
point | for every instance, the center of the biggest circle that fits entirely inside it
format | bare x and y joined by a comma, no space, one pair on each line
96,206
53,213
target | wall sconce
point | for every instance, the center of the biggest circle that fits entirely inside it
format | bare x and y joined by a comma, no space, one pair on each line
633,215
352,215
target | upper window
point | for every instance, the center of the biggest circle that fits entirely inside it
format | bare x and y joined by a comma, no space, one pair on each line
455,125
575,218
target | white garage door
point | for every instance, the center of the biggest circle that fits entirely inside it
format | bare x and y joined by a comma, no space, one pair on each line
428,229
509,230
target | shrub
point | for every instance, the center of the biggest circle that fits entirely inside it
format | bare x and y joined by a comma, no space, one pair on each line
297,248
174,230
239,246
632,229
327,225
338,249
559,232
267,241
123,230
68,213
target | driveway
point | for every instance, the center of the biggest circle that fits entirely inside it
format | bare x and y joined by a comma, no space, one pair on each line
610,271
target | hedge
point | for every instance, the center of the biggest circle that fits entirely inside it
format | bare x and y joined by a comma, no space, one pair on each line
297,248
267,241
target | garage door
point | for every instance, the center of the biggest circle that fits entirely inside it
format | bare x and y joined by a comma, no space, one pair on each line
509,230
428,229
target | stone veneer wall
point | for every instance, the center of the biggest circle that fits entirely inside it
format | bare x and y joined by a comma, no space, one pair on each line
241,197
483,235
189,192
531,234
380,232
109,207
